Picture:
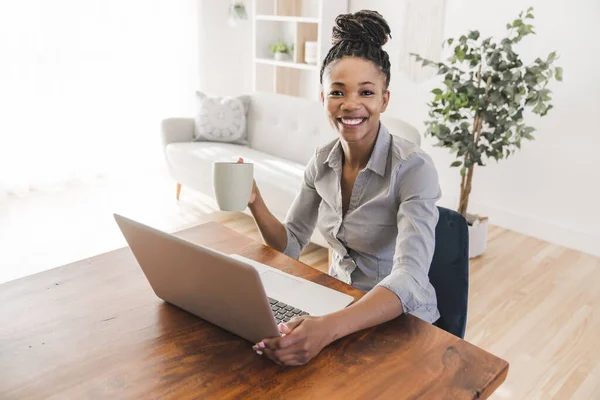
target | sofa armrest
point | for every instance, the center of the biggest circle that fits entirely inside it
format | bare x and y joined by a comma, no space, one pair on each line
177,130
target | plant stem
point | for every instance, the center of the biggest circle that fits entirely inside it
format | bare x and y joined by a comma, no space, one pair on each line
465,185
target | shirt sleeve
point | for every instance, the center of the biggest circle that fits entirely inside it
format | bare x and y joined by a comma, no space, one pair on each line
302,216
417,218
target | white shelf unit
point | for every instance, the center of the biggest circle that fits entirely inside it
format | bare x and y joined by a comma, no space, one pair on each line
295,22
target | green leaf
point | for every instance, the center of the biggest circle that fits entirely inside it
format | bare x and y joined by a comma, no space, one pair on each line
495,97
474,35
559,73
463,171
450,41
539,108
528,129
547,109
545,94
459,52
456,164
530,9
455,117
437,91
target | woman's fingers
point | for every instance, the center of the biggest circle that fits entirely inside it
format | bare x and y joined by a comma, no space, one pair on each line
288,327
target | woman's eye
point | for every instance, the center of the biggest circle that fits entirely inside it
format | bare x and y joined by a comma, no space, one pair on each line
367,93
335,93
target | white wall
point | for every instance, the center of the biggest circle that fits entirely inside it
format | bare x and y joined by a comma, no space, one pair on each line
225,52
551,189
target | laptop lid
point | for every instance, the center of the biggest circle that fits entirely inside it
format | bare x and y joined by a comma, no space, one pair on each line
201,281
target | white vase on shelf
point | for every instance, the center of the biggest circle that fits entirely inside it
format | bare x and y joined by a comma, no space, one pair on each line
310,52
281,56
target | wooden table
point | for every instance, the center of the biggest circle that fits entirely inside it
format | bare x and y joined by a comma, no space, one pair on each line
95,329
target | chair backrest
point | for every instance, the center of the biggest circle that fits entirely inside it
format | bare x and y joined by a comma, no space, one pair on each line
449,271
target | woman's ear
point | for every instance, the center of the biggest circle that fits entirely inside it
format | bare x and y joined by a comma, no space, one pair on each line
322,97
386,100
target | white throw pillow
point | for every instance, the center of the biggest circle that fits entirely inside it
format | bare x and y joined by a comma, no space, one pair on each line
221,119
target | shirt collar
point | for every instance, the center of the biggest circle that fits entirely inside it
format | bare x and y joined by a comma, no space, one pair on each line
378,161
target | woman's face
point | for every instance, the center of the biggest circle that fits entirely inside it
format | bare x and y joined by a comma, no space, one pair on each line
354,94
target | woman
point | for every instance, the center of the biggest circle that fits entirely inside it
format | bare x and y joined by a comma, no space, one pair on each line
372,196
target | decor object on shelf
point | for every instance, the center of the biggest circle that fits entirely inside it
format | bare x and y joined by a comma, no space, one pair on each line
310,52
281,50
478,113
221,119
237,12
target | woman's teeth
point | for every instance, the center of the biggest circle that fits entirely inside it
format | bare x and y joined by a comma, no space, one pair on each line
352,121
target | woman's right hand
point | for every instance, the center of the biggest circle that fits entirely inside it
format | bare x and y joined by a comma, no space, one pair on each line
255,191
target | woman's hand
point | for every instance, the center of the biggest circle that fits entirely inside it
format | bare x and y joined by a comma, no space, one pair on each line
303,338
255,191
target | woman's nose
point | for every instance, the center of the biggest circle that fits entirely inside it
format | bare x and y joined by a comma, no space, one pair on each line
350,105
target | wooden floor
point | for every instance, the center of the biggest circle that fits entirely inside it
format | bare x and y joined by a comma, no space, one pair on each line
535,304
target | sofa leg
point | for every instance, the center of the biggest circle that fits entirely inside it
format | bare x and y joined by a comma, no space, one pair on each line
178,191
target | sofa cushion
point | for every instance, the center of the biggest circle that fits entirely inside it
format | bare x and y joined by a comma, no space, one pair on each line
287,126
221,119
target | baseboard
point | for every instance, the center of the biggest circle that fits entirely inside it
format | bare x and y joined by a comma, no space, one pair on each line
553,233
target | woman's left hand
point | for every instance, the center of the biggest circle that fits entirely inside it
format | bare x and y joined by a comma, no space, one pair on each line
303,338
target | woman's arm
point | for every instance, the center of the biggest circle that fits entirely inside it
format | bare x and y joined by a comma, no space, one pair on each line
271,229
379,305
294,234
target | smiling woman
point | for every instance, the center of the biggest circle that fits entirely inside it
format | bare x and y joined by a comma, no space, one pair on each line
372,196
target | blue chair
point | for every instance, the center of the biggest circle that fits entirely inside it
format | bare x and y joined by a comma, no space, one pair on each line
449,271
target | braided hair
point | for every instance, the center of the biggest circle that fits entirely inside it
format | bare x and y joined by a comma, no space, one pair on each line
361,34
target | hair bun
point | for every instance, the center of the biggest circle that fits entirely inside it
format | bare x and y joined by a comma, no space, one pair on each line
364,26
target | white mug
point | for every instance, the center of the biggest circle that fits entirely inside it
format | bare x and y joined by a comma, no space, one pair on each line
232,184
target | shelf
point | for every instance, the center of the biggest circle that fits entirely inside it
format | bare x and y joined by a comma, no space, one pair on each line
293,22
287,64
280,18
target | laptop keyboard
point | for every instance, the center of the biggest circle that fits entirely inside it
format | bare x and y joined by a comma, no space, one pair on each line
284,312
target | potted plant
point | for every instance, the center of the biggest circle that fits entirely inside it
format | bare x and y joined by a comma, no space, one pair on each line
478,113
281,50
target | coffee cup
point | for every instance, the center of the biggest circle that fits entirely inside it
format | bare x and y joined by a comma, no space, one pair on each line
232,184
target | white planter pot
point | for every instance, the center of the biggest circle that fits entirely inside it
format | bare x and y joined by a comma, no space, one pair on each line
478,237
281,57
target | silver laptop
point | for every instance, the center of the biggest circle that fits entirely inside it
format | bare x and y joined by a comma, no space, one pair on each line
240,295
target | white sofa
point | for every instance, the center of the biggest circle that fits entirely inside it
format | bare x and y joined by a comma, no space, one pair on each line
283,133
